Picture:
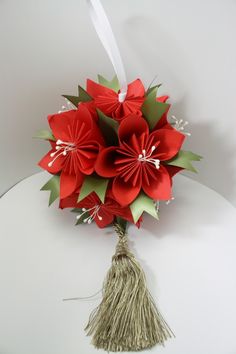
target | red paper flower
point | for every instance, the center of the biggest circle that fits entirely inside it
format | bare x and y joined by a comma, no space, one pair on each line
137,163
107,100
102,214
75,150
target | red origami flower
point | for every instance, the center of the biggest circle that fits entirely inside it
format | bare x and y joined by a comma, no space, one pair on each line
102,213
137,163
107,100
75,150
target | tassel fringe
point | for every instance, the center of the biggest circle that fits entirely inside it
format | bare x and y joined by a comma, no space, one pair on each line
127,318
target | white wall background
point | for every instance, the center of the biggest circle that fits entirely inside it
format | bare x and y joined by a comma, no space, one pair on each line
48,47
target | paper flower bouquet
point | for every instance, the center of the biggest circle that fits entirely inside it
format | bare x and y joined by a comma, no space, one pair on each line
113,156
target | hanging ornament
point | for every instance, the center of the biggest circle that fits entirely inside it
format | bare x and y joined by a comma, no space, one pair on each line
113,156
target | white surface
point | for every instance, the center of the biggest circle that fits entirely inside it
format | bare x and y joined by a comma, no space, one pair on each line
188,257
48,47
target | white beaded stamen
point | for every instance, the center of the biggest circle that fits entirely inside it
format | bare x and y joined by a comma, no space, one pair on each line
180,124
62,148
90,218
144,157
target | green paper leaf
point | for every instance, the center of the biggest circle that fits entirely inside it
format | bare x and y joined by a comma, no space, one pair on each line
183,159
143,203
53,185
152,109
113,84
45,135
121,222
153,88
94,184
109,128
83,97
73,99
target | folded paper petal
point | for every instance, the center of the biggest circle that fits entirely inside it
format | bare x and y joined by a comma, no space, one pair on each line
85,157
131,125
56,166
136,89
94,89
69,202
124,192
59,124
173,170
129,106
73,125
90,105
69,183
107,218
159,188
170,142
105,166
162,99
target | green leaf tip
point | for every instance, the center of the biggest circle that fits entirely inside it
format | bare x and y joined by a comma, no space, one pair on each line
73,99
82,97
143,203
152,109
183,159
45,135
94,184
109,128
53,185
113,84
152,88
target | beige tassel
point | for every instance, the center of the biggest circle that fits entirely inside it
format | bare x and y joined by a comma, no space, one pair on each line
127,318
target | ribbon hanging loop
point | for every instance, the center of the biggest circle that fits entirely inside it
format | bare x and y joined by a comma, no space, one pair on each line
106,36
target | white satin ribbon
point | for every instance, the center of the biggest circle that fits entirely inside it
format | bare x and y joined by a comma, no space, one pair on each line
106,36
